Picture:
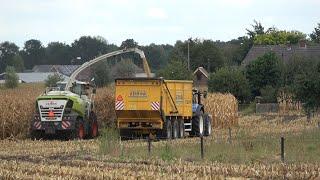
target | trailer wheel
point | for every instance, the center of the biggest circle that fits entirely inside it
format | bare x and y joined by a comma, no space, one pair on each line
175,129
181,128
197,125
167,129
207,125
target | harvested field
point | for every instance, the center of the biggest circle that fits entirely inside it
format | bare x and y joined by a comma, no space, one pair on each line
21,159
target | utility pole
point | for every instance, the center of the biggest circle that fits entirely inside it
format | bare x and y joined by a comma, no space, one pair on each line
188,55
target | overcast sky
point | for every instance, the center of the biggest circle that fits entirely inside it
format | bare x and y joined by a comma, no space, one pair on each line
148,21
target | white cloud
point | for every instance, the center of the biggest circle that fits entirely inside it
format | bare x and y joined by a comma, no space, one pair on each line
157,13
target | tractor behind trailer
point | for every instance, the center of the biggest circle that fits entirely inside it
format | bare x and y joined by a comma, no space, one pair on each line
166,108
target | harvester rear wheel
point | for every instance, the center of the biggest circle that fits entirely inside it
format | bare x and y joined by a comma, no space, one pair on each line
175,129
94,129
78,132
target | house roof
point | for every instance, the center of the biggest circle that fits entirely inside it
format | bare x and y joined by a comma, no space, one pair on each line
284,52
203,71
33,77
63,69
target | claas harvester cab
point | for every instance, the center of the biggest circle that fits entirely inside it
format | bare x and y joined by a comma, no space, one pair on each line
68,113
165,108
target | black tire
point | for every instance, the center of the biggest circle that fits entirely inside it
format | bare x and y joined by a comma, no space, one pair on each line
79,126
167,129
35,135
126,134
94,128
197,125
175,129
207,125
181,128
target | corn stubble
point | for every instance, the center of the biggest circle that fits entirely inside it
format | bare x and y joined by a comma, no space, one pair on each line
26,159
54,159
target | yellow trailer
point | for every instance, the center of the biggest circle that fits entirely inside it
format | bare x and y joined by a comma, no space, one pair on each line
155,105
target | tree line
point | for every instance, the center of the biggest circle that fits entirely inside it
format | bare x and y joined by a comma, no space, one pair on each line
265,76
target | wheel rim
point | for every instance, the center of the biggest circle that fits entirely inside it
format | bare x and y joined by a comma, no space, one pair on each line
81,131
201,125
94,129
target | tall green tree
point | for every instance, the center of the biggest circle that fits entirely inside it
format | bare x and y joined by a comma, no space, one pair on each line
230,80
7,51
88,47
307,88
128,43
58,53
315,35
265,70
33,53
175,69
276,37
17,63
258,29
203,53
157,55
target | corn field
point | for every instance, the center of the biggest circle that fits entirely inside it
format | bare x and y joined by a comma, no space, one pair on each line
223,108
18,106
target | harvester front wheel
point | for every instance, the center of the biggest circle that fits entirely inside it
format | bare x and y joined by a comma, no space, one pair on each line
175,129
35,135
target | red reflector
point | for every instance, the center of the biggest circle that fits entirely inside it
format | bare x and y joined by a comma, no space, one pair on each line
119,98
51,114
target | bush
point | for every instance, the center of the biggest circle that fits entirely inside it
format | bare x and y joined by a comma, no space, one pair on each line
228,80
11,78
269,94
265,70
52,80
